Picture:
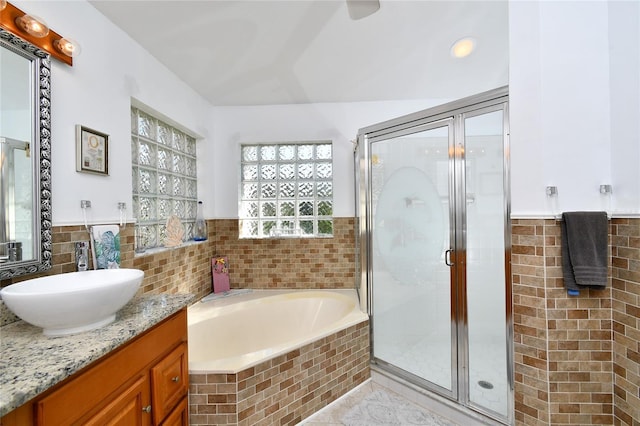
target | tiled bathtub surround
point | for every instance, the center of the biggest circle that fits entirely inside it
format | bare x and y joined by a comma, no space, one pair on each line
276,263
286,389
289,262
576,358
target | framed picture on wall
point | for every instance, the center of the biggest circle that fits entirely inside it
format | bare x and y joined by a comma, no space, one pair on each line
92,151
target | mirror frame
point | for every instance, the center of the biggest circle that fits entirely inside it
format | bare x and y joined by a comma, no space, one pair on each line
40,150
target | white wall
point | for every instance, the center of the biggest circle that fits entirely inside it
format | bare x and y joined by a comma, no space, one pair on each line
337,122
574,103
96,92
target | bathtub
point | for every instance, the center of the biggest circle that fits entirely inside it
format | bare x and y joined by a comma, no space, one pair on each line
231,334
274,356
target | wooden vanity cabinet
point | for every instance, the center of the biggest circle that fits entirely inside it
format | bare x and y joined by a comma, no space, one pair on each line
145,382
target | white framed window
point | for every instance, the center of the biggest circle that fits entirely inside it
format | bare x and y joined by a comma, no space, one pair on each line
164,178
286,189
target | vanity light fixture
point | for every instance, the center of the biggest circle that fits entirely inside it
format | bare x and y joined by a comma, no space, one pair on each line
33,25
463,47
35,31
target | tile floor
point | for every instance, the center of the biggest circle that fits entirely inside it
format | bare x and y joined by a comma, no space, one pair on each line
372,404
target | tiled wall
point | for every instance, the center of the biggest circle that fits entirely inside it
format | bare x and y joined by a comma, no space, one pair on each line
289,263
625,255
286,389
273,263
565,349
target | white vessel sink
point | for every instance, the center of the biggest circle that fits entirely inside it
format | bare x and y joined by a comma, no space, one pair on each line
74,302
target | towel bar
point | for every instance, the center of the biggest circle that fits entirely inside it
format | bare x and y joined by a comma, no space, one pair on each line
558,217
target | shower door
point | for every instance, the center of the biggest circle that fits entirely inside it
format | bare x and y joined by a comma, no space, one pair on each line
437,251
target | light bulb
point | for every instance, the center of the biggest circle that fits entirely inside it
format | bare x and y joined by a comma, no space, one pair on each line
68,46
33,25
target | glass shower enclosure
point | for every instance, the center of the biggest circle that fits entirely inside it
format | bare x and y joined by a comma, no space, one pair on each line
435,250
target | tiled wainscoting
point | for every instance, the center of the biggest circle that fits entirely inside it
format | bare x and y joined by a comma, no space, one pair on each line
272,263
577,359
286,389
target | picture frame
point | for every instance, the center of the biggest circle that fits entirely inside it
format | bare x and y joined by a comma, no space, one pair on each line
92,151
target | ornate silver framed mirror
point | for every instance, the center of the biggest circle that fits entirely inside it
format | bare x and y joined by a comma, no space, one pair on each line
25,157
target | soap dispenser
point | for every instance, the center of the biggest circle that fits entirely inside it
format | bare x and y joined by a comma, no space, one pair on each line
200,230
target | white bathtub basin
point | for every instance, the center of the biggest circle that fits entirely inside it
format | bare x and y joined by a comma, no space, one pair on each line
74,302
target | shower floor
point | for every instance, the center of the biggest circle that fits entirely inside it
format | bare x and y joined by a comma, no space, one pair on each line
430,358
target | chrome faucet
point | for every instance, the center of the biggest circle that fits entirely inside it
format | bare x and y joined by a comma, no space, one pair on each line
82,255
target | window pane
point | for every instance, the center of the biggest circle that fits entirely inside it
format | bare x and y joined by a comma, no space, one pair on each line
305,152
249,227
287,190
268,190
305,171
178,163
287,152
268,171
164,134
269,209
178,140
267,226
305,189
323,152
250,172
306,227
191,188
178,186
287,171
249,209
191,208
325,208
164,208
287,208
250,190
146,154
146,182
147,210
325,189
163,159
305,208
323,170
163,184
145,126
268,153
249,153
325,227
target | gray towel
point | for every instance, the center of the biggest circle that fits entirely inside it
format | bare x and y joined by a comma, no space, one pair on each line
585,242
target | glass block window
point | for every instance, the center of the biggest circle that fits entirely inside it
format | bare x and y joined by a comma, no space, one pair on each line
286,189
164,178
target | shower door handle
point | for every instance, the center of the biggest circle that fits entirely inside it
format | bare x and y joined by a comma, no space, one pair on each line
447,257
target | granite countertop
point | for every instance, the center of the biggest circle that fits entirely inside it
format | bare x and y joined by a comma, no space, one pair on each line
30,362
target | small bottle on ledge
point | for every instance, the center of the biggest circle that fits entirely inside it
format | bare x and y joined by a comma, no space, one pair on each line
200,230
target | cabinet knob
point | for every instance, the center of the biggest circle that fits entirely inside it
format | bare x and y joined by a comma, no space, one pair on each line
146,409
175,379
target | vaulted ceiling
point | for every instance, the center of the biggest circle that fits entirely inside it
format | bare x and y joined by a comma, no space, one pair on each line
308,51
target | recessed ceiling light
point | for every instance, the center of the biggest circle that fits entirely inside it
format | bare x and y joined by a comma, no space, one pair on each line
463,47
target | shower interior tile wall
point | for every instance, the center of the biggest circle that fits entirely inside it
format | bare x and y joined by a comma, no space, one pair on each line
576,358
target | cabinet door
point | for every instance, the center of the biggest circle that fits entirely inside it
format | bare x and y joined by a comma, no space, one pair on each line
180,415
169,382
126,409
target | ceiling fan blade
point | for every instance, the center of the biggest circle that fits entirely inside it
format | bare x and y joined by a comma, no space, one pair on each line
359,9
